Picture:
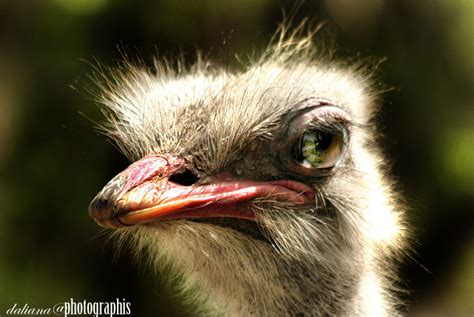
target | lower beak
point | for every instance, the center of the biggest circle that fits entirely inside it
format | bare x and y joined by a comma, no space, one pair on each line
144,193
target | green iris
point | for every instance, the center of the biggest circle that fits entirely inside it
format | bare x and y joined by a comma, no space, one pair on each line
314,147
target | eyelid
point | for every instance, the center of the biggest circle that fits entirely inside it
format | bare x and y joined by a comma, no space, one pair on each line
319,116
326,111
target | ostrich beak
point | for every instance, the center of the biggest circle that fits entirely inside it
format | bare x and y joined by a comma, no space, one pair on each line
144,193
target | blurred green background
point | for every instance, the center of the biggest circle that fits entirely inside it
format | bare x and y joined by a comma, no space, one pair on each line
52,162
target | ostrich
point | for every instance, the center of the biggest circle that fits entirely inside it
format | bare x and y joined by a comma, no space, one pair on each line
264,188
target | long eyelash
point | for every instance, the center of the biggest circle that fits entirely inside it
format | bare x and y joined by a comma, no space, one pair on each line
329,126
335,125
360,125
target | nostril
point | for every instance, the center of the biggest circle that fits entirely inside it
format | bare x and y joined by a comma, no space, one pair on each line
98,206
186,178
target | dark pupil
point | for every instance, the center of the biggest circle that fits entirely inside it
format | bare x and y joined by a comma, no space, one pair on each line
324,141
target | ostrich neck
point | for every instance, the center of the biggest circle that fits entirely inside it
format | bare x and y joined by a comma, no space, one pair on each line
284,287
304,290
237,275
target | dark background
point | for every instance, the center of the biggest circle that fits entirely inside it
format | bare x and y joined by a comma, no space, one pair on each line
52,161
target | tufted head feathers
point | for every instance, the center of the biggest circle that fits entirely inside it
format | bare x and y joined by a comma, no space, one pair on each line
264,187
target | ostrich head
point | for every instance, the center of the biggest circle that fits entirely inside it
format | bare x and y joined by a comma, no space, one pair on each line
265,188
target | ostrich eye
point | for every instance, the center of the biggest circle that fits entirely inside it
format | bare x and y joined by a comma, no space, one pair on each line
319,149
316,140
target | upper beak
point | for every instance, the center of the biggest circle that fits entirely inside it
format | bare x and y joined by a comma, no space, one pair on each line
143,192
